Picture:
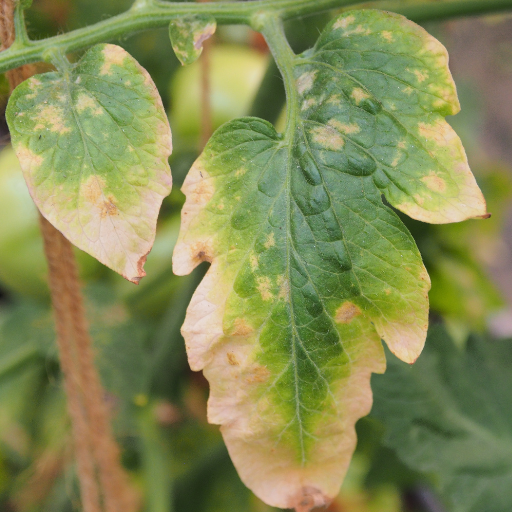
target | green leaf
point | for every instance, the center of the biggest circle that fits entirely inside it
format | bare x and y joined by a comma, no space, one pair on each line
309,269
188,33
93,143
449,415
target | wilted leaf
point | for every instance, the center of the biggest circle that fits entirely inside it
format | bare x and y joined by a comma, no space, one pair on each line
188,33
93,143
449,415
309,267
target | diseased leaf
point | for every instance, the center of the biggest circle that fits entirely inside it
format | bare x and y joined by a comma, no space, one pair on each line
93,143
309,269
188,33
449,415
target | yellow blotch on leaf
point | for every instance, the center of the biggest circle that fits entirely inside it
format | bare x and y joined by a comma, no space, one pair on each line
347,129
440,132
421,75
344,22
241,327
92,188
113,55
51,117
346,313
358,95
434,182
387,35
86,102
270,241
29,160
305,81
328,137
264,287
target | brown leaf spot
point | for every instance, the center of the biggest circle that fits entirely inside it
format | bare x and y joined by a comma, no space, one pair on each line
241,327
434,182
307,499
202,251
108,208
232,360
346,312
258,374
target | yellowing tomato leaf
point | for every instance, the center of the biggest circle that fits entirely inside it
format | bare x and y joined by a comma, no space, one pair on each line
93,143
188,33
309,268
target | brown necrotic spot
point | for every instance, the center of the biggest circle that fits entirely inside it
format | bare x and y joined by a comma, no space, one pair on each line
109,208
307,499
232,360
257,374
241,327
346,313
201,251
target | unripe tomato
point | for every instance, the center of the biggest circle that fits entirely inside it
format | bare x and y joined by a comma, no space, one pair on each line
23,266
235,75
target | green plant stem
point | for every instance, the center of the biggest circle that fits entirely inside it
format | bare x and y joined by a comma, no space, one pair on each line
272,29
435,10
146,14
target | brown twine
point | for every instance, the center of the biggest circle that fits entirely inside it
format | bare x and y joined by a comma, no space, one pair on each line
103,482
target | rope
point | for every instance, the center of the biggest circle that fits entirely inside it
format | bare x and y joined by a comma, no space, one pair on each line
103,483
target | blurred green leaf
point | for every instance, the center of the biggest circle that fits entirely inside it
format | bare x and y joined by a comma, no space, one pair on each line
450,415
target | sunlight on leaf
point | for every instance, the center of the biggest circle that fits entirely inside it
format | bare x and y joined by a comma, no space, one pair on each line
93,143
309,268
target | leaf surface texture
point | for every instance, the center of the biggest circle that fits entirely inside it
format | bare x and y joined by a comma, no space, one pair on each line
309,268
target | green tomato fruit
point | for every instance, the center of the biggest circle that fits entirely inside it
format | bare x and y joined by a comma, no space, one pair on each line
23,268
235,75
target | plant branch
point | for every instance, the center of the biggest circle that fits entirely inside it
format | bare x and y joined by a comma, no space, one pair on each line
435,10
146,14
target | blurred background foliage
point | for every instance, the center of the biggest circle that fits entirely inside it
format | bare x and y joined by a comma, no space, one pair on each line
439,437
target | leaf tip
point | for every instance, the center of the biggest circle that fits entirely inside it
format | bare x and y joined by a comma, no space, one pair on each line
307,499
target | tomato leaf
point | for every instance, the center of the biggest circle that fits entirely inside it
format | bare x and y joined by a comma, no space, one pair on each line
188,34
93,143
309,268
449,415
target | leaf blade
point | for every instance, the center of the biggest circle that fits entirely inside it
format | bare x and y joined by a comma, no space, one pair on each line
309,269
93,146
